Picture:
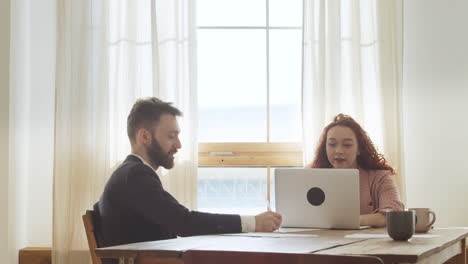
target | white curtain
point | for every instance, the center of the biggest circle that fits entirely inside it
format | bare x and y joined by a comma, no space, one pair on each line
352,65
109,53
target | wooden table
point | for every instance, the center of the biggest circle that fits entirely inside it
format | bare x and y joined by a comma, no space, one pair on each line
437,246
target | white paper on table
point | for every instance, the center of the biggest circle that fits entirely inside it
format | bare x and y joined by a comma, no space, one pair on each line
425,236
294,229
384,236
458,227
273,234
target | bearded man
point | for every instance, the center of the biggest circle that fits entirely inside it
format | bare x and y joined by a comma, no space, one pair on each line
134,206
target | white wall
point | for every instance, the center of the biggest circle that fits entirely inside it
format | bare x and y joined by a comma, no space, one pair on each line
31,122
435,107
17,177
4,118
42,113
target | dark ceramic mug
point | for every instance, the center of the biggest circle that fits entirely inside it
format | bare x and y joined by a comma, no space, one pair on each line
401,224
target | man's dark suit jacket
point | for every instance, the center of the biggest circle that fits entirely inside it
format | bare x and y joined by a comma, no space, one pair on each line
134,207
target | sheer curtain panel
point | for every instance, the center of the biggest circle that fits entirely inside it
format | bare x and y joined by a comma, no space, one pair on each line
109,53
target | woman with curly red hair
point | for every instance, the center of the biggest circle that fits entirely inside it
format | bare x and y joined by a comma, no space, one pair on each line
345,145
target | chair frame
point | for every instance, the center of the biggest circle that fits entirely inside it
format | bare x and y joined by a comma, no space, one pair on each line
88,221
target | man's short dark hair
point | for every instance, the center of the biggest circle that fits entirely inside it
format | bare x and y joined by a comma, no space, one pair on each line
146,113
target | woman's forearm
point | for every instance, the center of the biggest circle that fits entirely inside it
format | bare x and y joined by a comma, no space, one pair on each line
375,220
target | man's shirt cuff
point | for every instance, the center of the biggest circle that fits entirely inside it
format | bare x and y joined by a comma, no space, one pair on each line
247,223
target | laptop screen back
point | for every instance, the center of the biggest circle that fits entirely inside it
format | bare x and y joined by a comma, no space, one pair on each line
318,198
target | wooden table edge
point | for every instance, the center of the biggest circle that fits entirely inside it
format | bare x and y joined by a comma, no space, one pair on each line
115,253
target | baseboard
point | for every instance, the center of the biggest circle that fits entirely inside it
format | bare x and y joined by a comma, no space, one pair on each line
35,255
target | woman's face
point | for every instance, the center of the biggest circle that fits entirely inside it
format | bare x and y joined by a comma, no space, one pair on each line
342,147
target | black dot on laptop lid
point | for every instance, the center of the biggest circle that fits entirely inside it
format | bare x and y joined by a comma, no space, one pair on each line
315,196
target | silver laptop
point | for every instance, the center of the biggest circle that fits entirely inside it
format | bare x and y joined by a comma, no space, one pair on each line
318,198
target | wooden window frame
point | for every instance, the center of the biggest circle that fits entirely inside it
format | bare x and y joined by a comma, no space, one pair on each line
250,154
253,154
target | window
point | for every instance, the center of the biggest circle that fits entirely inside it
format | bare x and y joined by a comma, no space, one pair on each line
249,97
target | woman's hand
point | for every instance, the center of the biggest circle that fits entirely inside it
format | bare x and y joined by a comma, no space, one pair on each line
374,220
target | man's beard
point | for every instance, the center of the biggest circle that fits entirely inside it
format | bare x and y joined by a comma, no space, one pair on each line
158,157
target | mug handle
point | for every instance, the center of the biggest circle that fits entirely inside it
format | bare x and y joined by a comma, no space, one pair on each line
433,219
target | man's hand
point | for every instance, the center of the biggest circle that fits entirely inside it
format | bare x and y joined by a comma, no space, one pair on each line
267,222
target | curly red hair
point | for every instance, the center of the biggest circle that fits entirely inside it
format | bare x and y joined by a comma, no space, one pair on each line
368,159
